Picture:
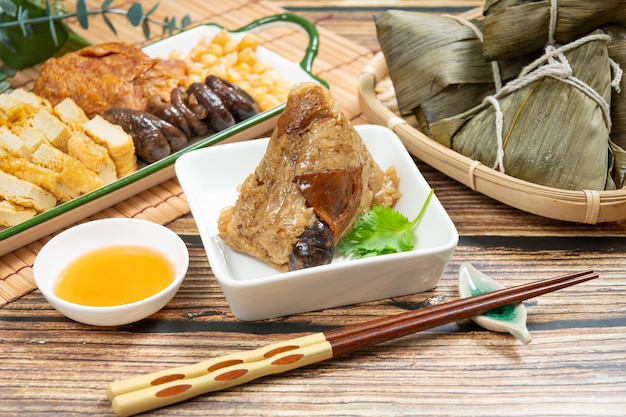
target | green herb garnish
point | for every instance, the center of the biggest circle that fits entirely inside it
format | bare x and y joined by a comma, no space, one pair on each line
381,230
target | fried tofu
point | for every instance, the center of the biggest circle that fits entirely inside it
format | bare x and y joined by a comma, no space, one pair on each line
119,144
51,155
13,214
25,193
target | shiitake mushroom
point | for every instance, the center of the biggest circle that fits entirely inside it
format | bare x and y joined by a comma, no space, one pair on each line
150,143
190,110
241,105
167,111
165,127
219,116
314,247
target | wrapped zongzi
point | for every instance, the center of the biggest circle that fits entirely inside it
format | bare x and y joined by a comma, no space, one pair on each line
549,126
617,52
514,28
436,63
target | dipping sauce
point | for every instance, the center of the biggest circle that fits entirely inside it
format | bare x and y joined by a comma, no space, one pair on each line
114,275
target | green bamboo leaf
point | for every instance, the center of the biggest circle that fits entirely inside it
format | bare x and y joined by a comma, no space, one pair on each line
109,23
82,14
135,14
106,4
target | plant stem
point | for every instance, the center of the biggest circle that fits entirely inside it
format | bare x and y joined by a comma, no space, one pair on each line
42,19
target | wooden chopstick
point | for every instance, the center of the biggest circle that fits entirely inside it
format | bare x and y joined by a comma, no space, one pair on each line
158,389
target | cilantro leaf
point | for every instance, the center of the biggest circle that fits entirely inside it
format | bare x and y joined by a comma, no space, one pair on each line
381,230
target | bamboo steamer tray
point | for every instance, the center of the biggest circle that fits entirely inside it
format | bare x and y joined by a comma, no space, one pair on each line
585,206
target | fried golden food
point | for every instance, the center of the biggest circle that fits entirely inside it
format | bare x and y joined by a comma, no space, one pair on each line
112,74
50,155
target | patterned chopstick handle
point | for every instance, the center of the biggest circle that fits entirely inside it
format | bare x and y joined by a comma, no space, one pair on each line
168,387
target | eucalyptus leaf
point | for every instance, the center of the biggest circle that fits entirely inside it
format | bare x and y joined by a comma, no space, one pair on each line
23,20
53,32
186,21
6,71
6,41
109,23
82,14
152,10
22,17
145,26
135,14
165,27
172,26
8,7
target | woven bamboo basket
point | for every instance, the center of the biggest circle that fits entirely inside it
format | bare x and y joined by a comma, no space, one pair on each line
585,206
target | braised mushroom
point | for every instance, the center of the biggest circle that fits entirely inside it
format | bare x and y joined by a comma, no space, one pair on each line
239,103
314,247
219,116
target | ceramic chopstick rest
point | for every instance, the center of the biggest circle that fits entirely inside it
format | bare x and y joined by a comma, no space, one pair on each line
510,318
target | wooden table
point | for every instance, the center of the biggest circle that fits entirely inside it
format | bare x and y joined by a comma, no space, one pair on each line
575,365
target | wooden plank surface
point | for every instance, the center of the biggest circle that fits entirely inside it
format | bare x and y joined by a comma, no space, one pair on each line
575,365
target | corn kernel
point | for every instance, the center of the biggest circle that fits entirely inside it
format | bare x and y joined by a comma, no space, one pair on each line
221,38
209,59
243,68
236,62
249,41
230,46
247,56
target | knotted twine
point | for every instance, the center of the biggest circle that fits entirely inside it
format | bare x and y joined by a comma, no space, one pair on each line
495,67
552,64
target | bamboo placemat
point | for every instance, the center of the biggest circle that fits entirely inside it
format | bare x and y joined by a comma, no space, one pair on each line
339,62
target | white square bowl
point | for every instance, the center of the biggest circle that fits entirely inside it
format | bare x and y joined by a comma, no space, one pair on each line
256,291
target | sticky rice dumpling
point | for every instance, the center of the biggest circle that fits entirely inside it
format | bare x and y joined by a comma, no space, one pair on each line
550,126
617,52
316,177
436,63
514,28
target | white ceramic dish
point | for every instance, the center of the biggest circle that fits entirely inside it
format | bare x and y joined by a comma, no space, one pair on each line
148,176
71,243
254,290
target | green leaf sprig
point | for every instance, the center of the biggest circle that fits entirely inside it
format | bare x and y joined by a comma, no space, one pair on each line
381,230
14,15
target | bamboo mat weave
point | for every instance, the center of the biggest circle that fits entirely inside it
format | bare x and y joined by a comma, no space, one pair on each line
339,62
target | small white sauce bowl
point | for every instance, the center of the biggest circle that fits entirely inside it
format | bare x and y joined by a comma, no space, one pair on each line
68,245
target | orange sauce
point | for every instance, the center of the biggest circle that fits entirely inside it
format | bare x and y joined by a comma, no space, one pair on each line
114,275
